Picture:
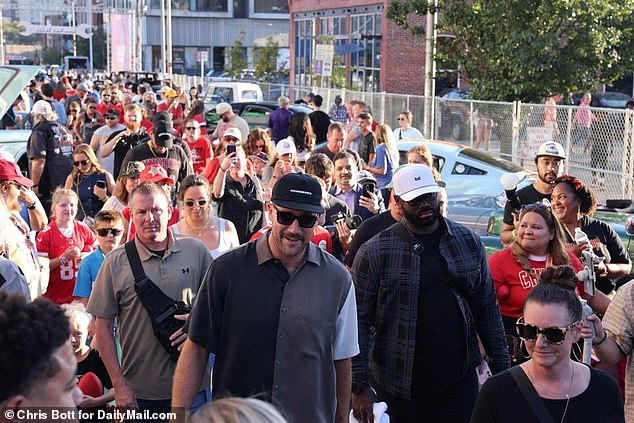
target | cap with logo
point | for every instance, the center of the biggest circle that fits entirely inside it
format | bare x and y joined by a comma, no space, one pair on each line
414,180
260,156
155,173
133,169
551,148
285,146
9,171
222,108
41,107
233,132
297,191
163,134
112,112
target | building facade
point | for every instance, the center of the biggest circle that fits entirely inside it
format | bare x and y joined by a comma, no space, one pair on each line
371,53
213,26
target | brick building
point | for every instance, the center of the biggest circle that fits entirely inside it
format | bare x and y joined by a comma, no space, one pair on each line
371,52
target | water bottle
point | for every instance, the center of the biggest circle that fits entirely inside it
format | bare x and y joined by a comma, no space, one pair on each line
581,237
27,124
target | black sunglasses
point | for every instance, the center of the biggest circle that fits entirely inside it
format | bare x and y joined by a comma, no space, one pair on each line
306,221
191,128
192,203
108,231
542,205
553,335
81,162
425,198
110,117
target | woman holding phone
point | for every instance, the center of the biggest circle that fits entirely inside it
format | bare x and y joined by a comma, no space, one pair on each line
91,182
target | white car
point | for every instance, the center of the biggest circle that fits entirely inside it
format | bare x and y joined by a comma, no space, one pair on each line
13,78
466,171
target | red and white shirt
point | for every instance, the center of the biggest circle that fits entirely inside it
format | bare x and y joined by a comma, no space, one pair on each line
52,243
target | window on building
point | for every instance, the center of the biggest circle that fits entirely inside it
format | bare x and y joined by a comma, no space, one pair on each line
304,38
270,6
193,5
365,51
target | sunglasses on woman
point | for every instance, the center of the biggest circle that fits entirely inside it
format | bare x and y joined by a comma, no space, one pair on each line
108,231
553,335
305,221
191,203
81,162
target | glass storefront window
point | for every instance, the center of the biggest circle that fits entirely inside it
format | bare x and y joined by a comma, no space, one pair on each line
270,6
194,5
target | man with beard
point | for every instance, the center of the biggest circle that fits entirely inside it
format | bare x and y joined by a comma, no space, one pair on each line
424,296
549,162
294,347
123,141
228,119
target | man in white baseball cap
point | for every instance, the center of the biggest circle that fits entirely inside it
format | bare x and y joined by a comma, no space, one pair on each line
228,119
441,298
549,160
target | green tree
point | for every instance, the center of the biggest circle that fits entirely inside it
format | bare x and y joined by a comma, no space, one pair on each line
12,34
266,60
237,57
526,49
52,56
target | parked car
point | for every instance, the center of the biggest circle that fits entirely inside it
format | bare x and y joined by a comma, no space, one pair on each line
13,78
230,92
255,113
453,115
609,99
467,171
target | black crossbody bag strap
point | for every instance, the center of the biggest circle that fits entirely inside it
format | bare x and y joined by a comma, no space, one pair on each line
146,290
527,388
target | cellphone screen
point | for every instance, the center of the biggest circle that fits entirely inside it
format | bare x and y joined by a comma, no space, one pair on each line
367,189
101,184
231,148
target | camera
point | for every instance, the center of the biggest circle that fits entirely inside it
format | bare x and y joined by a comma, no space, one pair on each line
353,222
101,184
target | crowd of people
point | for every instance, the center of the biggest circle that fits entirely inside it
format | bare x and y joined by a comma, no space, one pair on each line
323,281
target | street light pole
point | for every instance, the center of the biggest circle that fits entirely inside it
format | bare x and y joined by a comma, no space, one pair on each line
429,77
163,66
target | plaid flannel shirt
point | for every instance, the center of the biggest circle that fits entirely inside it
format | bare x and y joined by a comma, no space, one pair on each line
386,274
338,113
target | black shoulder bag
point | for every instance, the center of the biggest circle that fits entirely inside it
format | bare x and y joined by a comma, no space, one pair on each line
160,307
536,403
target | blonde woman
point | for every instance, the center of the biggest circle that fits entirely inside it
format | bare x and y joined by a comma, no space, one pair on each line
89,180
385,158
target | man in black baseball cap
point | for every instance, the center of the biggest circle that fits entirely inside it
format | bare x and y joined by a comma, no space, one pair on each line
293,282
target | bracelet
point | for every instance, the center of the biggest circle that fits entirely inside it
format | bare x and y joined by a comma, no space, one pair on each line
223,170
605,336
514,233
32,206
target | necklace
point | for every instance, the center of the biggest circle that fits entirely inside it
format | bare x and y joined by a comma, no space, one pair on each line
158,154
567,394
199,231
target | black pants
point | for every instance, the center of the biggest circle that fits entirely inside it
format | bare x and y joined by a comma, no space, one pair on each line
451,405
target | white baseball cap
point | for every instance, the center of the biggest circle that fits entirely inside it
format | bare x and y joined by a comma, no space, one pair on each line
414,180
285,146
222,108
551,148
42,107
233,132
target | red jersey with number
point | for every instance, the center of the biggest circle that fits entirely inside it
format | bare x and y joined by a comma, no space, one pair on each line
51,243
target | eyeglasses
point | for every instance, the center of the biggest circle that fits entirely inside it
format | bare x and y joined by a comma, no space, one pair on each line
74,110
425,198
230,138
191,203
401,118
191,128
110,117
259,146
543,205
108,231
306,221
81,162
553,335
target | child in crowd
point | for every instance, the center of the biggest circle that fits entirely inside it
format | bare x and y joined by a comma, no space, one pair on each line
91,372
109,229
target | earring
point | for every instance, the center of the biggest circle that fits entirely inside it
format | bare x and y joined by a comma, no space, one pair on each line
523,350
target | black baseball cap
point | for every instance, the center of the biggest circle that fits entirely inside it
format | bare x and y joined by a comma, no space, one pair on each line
163,133
298,191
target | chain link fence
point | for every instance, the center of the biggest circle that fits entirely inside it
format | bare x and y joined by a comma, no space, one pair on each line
598,142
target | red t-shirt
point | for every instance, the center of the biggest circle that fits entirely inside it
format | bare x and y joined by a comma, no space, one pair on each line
147,125
51,243
131,230
200,153
177,113
321,237
513,284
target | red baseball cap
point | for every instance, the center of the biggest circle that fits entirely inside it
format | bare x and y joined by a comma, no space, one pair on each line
155,173
9,171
